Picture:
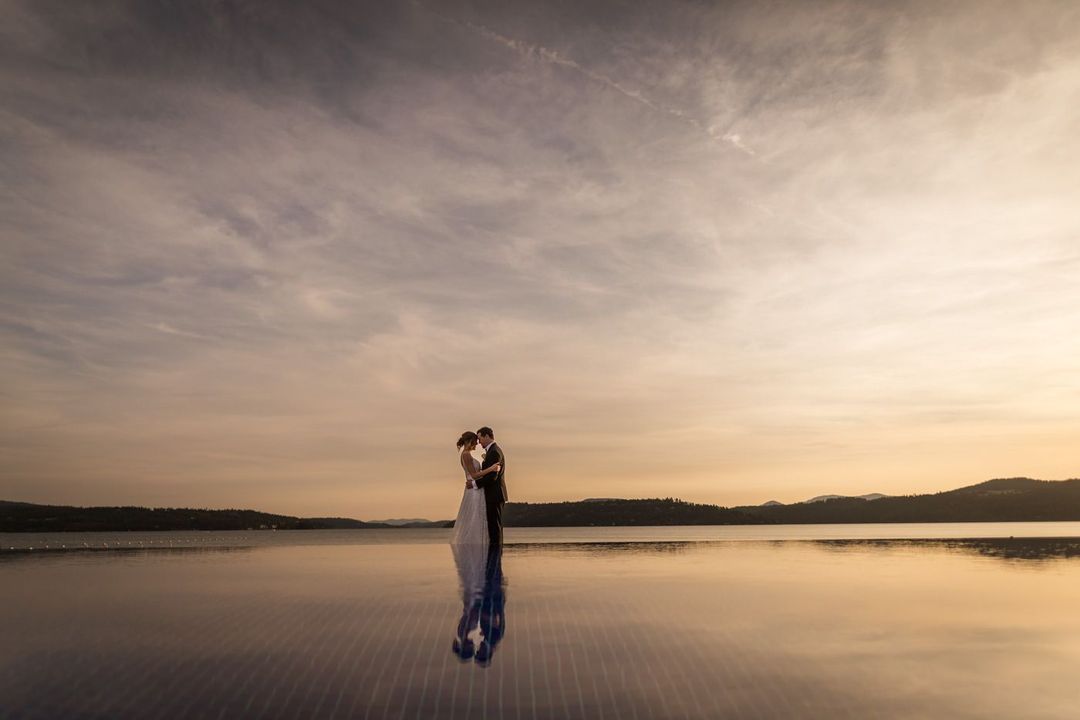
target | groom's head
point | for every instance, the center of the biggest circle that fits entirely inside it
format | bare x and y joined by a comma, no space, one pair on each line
486,436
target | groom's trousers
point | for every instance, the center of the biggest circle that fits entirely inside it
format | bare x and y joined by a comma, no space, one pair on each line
494,522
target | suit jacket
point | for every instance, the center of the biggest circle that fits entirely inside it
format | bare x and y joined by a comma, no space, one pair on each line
494,484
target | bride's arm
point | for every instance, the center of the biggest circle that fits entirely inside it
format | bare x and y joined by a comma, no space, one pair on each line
476,475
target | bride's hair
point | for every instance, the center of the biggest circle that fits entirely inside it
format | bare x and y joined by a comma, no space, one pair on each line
466,437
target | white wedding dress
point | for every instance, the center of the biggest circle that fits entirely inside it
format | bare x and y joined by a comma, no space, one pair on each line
470,528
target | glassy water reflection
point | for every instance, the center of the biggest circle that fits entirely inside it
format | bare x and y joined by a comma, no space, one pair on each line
856,629
483,603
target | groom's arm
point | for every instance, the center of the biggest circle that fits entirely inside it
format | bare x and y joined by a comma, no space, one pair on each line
490,459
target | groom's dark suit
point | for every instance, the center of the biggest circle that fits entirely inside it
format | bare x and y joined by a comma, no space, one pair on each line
494,486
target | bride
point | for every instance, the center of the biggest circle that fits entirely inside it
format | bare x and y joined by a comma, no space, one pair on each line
470,528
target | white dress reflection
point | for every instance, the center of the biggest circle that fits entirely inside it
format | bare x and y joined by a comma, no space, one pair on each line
483,602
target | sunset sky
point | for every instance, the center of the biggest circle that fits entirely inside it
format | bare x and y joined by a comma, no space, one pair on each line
280,255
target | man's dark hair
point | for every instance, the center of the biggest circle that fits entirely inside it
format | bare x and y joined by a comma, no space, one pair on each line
486,431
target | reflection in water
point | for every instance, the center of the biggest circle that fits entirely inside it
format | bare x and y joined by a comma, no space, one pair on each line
483,602
1040,549
76,555
1003,548
666,547
471,569
797,629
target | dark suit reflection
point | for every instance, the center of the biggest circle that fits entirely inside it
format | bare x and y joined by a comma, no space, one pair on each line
483,613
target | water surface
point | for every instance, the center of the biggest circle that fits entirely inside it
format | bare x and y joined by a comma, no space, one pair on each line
244,538
616,625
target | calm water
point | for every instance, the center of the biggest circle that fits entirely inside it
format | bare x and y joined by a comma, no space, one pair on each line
597,623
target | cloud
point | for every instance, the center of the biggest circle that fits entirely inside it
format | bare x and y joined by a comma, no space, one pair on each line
281,262
170,330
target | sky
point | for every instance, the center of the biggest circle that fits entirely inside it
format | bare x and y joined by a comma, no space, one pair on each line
280,255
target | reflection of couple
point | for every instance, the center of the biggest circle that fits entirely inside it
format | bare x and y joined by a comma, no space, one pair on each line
479,519
483,599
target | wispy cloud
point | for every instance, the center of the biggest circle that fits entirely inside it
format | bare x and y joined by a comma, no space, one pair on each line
170,330
546,55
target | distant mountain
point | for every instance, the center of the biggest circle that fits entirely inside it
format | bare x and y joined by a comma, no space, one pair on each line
822,498
1001,500
397,522
414,523
1007,486
873,496
770,503
1011,499
331,524
29,517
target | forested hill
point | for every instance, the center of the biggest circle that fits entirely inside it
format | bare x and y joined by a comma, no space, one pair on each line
622,512
28,517
1002,500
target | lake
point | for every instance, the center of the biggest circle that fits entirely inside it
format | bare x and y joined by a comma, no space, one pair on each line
886,621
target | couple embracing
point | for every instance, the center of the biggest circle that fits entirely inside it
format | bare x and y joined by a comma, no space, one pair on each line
479,519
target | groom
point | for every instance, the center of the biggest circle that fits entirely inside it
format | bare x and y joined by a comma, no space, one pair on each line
493,484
